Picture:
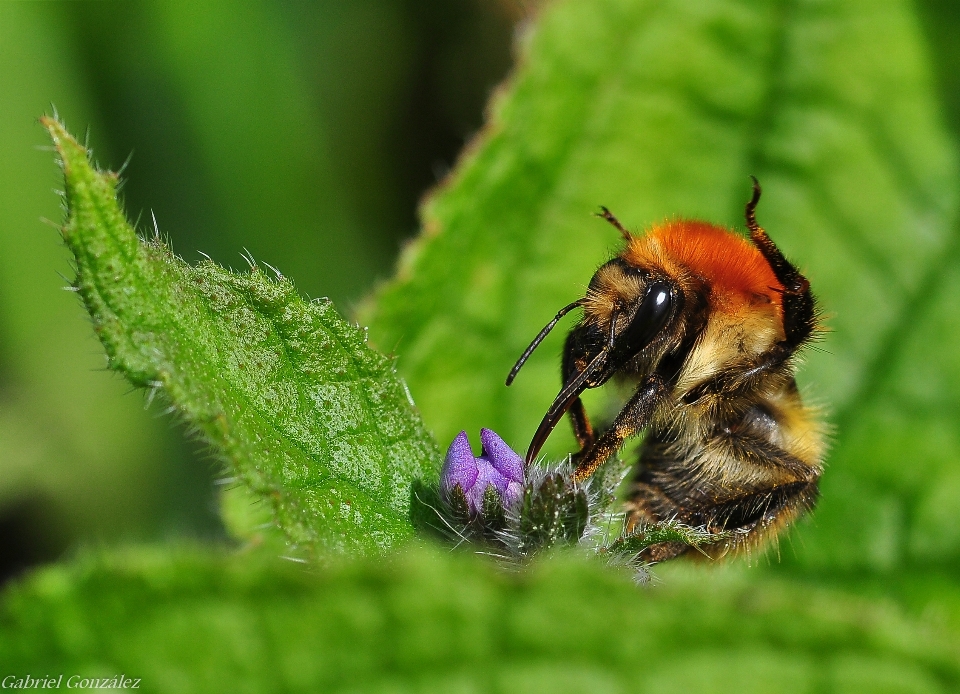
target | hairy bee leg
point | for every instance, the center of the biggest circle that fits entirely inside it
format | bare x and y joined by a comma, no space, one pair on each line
799,315
573,363
780,505
790,489
793,488
799,324
582,429
662,551
762,455
799,306
779,480
632,418
767,505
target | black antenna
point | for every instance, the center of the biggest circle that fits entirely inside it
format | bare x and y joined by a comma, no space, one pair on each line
608,215
539,338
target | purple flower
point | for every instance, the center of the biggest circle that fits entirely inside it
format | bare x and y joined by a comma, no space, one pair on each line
498,466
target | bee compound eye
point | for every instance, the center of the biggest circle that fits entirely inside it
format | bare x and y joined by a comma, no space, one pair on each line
650,318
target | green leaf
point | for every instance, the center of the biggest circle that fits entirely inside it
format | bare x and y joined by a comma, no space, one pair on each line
189,621
660,109
304,413
893,486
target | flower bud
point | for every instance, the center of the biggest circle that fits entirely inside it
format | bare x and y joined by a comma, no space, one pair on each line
498,467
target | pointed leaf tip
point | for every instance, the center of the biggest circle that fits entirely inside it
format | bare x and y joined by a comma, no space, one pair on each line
308,416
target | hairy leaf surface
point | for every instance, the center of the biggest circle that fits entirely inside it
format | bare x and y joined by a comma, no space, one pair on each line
193,622
310,418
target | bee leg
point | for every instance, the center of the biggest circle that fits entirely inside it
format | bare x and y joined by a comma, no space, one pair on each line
751,510
754,516
631,419
799,321
638,516
799,316
574,361
787,486
776,486
582,428
768,459
774,483
799,306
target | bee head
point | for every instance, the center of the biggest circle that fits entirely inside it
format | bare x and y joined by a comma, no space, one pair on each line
631,317
645,308
629,312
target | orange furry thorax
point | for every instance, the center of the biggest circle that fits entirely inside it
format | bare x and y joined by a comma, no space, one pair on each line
734,268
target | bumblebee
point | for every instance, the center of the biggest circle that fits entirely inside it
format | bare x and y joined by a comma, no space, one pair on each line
708,326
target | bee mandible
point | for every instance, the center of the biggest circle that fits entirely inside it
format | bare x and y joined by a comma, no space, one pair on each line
708,326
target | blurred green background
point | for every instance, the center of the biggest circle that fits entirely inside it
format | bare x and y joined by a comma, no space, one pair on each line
334,116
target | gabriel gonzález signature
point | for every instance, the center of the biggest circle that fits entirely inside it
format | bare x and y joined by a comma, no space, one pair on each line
71,682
